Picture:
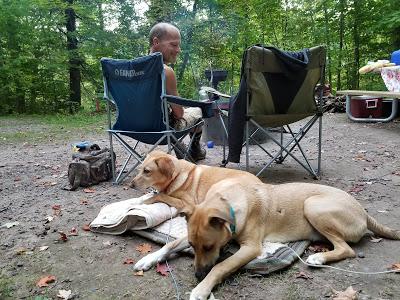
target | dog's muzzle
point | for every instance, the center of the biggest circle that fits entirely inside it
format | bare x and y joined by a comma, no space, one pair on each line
202,273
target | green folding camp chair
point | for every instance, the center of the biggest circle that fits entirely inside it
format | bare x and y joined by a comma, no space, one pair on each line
277,88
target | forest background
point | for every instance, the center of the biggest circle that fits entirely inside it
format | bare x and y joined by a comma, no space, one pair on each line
50,49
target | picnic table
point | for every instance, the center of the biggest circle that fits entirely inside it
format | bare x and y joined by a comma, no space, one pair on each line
394,97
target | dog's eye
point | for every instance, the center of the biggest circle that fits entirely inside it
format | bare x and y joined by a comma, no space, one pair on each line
207,248
146,171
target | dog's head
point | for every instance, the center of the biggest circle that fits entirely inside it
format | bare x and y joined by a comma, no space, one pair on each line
208,232
156,171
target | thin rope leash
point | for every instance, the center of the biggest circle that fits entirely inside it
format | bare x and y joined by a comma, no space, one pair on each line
178,295
340,269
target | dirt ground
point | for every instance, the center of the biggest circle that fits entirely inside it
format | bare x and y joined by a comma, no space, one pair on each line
357,157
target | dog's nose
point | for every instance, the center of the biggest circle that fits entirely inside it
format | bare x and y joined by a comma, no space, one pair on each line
200,275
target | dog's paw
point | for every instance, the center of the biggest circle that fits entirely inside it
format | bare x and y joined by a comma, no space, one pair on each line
151,200
147,262
316,259
199,293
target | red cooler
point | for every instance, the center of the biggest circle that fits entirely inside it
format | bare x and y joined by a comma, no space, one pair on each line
366,107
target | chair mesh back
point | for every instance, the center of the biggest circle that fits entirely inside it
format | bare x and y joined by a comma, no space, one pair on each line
136,86
282,88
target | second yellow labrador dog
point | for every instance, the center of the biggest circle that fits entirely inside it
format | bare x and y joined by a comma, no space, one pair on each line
251,212
181,183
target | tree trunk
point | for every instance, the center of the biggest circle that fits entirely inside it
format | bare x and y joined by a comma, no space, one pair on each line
328,42
74,60
355,82
342,5
16,96
188,42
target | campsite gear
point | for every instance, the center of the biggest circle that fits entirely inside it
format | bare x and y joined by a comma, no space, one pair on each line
136,88
277,89
81,145
395,57
366,107
391,97
90,167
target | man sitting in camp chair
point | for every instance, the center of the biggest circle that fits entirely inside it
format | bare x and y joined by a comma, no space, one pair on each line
166,39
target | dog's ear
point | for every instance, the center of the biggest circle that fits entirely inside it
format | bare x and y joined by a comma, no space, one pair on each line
186,212
165,166
218,218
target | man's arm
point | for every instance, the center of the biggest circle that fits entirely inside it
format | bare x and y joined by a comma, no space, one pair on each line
171,89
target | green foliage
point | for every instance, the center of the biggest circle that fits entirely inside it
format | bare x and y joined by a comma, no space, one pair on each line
34,61
5,287
66,125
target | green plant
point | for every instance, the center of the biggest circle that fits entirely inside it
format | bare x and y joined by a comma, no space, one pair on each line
5,288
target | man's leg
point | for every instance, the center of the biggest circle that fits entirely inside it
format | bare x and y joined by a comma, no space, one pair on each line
196,151
190,117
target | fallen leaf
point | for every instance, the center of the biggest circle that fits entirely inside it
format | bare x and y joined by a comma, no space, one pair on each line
396,267
373,240
86,227
49,219
44,281
10,224
73,231
129,261
138,273
162,269
89,191
144,248
56,209
348,294
357,188
43,248
63,236
319,247
21,250
107,243
303,275
63,294
359,156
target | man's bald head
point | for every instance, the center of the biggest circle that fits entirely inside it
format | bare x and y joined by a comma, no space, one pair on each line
161,31
166,39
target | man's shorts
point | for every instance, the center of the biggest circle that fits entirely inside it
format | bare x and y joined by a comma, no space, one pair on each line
191,115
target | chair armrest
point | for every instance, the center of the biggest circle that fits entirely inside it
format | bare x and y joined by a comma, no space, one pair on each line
206,107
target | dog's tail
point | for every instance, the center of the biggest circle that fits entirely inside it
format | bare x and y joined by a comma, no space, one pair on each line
382,230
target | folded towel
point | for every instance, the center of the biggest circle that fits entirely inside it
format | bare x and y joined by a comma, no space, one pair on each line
131,214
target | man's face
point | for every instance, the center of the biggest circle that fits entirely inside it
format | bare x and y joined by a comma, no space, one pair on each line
169,46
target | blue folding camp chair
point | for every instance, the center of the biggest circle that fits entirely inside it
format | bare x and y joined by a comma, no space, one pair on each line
137,90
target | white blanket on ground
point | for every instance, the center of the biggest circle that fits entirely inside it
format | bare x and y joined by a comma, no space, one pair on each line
131,214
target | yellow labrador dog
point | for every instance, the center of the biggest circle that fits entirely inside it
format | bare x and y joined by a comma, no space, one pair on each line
253,212
181,183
